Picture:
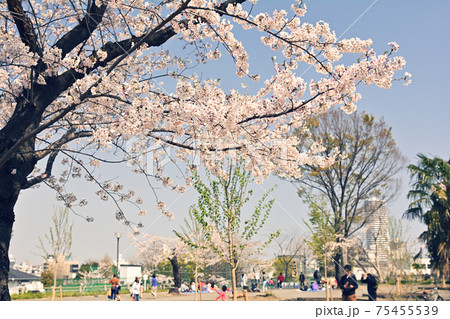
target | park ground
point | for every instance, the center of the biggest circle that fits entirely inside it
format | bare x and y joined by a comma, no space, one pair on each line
385,292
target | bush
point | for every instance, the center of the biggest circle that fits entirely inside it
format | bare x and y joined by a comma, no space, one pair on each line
47,278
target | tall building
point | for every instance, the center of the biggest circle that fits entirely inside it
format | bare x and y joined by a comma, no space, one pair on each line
377,235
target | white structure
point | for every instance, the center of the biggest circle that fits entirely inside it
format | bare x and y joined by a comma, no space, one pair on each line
128,273
377,235
21,282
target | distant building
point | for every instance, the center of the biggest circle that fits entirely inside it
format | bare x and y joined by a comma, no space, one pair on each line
128,274
21,282
67,269
377,235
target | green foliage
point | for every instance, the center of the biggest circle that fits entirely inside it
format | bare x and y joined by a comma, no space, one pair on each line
283,265
46,278
219,211
322,227
430,203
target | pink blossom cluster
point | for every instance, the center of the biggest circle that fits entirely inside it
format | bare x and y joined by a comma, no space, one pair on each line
128,103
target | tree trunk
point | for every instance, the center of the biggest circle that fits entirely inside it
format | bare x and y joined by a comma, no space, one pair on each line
232,262
176,272
196,281
233,282
6,224
55,274
12,175
338,269
286,271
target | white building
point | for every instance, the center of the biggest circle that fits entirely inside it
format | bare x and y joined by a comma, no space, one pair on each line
377,232
21,282
128,274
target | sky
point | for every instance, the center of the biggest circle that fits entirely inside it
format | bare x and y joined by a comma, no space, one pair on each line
418,114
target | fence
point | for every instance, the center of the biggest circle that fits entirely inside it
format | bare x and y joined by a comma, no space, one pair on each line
74,285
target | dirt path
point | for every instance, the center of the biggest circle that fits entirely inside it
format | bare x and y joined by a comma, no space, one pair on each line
386,292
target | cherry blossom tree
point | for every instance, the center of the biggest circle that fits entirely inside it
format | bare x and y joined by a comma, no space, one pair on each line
80,78
153,250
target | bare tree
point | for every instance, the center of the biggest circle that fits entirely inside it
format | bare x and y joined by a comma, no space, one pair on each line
368,165
289,248
58,243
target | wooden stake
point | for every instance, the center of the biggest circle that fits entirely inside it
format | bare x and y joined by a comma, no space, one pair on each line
399,286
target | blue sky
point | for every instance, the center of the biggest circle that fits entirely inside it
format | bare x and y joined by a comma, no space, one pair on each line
418,114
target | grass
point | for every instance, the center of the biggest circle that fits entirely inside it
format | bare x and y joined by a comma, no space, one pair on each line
40,295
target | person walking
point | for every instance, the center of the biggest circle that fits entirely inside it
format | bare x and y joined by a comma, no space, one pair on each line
154,286
348,284
372,285
302,280
136,289
280,280
244,281
264,282
114,285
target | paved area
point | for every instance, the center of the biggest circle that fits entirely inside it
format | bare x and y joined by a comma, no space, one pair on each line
386,292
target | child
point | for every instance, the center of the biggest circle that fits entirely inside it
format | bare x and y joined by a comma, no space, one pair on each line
223,293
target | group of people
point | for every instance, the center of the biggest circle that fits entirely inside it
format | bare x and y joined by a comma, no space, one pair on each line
265,280
201,287
136,288
348,284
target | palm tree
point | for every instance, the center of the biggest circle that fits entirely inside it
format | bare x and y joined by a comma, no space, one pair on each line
430,195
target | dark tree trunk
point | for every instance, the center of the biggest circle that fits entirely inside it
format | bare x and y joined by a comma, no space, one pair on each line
13,174
176,272
338,268
6,224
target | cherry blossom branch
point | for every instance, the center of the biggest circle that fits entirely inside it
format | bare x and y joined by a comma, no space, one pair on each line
66,138
83,30
174,143
24,26
68,77
293,109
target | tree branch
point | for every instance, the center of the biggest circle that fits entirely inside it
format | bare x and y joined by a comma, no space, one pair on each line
24,26
83,30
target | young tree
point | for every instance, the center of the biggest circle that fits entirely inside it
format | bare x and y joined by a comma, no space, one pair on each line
430,203
368,165
80,77
219,212
400,252
58,242
198,249
390,253
323,238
